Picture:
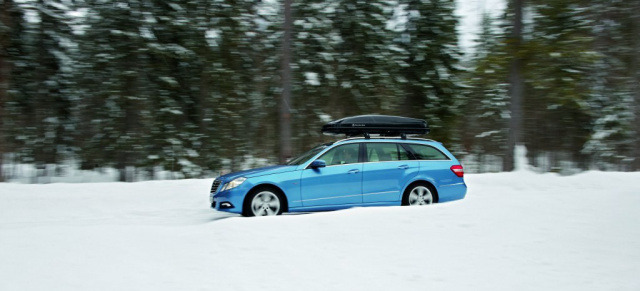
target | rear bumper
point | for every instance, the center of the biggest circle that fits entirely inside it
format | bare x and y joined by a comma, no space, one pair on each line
452,192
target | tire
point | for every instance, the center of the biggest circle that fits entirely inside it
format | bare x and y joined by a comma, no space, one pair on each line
263,202
419,194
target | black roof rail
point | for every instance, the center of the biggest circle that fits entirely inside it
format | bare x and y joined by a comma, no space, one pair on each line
387,137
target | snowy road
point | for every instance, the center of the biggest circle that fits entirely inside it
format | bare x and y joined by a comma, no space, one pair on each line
514,231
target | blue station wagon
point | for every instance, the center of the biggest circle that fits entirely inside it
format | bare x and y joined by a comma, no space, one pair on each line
363,171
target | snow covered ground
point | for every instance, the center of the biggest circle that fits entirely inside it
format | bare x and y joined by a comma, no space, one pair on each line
514,231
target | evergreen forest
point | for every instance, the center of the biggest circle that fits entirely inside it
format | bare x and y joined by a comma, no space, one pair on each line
198,87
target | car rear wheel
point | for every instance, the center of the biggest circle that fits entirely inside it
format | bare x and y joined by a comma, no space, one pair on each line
418,195
263,203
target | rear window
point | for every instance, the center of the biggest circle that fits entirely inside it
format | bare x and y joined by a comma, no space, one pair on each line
425,152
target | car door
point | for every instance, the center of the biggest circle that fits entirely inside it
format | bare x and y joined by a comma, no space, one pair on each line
387,169
339,183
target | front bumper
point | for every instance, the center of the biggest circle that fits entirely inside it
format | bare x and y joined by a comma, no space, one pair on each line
229,200
224,206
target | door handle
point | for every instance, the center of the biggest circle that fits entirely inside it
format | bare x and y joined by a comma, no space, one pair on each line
354,171
404,167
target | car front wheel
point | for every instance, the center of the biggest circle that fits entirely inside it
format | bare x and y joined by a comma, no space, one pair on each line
263,203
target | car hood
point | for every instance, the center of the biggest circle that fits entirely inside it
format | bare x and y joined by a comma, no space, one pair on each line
258,172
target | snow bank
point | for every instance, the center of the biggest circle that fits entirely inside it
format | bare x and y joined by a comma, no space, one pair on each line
514,231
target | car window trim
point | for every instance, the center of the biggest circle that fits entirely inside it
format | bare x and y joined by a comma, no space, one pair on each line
363,159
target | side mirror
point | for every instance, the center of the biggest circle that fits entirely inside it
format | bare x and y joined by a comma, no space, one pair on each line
318,164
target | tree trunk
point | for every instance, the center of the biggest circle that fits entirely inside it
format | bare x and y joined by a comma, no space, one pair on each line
285,100
5,71
516,87
635,72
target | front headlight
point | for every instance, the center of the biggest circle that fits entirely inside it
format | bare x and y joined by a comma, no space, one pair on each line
234,183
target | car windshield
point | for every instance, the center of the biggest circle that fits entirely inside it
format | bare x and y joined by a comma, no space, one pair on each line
306,156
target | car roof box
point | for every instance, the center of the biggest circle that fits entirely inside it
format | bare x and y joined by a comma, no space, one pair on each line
383,125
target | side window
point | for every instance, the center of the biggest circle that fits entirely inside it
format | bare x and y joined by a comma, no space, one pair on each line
346,154
382,152
424,152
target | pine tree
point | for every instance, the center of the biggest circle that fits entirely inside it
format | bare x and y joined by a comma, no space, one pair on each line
486,109
430,69
611,146
363,77
557,71
635,75
39,108
174,35
516,82
315,63
116,106
235,64
6,29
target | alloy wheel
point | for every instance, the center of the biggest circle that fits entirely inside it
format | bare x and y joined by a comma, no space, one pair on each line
265,203
420,195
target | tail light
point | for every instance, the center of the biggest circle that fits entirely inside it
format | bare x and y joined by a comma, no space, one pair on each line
457,169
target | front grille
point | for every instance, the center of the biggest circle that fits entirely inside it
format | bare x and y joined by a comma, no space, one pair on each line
215,186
